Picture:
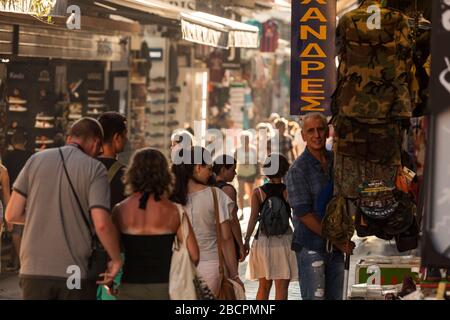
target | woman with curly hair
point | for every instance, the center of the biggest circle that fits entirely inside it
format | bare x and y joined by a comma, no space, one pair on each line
192,172
148,222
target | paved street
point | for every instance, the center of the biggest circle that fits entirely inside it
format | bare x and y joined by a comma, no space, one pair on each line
9,283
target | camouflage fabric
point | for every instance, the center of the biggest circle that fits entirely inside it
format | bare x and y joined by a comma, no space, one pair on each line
379,143
337,225
350,173
374,74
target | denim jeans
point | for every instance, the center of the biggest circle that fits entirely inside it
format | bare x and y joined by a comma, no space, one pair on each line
321,274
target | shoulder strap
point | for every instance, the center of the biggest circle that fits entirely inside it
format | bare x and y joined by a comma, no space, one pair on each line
260,195
219,233
221,184
80,207
113,170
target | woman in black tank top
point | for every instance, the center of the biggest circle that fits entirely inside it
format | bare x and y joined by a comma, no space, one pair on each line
148,223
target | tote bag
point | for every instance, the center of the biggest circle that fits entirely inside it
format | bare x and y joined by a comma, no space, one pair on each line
182,270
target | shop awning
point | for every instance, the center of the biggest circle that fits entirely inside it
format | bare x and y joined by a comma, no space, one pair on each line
155,7
216,31
198,27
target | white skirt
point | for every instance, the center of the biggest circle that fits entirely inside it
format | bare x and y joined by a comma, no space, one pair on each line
272,258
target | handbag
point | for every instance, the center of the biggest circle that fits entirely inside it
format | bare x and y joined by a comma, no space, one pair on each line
184,283
97,261
228,288
182,270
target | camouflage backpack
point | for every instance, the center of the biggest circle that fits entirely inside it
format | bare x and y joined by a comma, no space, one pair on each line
337,225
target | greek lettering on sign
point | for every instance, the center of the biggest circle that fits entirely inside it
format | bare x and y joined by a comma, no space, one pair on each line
313,56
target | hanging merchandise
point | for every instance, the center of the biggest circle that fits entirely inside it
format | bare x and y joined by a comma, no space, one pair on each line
259,25
374,74
259,72
270,36
372,106
368,111
173,65
215,64
248,108
237,102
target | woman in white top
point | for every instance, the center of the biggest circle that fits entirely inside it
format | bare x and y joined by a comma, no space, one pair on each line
191,191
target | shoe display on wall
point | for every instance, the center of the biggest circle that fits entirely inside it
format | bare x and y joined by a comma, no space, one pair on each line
158,113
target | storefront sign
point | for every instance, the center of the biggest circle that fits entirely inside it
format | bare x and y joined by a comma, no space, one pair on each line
436,239
185,4
16,76
313,67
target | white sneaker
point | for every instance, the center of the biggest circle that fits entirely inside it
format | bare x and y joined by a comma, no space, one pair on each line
95,99
43,117
96,105
96,91
44,140
16,100
17,108
93,112
73,116
43,124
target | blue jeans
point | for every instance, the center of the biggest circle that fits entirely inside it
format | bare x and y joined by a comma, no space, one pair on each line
321,274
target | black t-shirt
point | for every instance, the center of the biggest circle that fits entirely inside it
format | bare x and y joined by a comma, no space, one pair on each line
14,161
117,186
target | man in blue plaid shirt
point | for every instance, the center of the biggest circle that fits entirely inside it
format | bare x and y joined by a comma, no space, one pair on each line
310,187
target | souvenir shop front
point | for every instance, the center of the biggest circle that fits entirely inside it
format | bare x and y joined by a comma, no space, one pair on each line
172,88
247,85
381,115
51,76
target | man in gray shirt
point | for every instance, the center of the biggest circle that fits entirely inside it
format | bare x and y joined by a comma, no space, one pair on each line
56,243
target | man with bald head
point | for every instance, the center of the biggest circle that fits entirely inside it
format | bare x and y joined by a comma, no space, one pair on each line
55,196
